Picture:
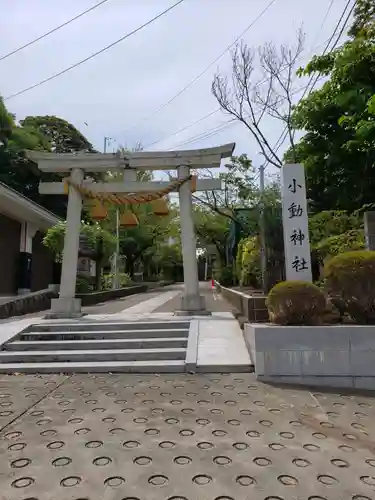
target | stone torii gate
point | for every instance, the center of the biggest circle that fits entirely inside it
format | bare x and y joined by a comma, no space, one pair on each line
78,164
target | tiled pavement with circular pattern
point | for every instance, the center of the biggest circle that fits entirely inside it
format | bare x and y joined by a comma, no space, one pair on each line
181,437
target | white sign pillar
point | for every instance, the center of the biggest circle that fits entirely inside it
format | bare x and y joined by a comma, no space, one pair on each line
192,302
295,223
67,305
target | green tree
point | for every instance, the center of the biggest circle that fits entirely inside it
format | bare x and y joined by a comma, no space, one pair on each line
331,223
168,261
339,122
93,234
139,244
6,124
100,241
212,229
35,133
62,135
16,170
364,14
239,190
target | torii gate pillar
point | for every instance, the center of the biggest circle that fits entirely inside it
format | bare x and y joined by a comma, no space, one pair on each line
191,303
67,306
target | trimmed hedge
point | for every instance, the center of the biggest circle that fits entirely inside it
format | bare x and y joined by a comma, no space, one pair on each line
350,282
296,303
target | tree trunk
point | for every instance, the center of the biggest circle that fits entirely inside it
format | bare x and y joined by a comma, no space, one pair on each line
99,266
98,274
129,266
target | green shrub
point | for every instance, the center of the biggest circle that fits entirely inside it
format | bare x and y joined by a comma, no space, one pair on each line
239,256
224,275
334,245
84,284
250,267
296,303
350,282
107,280
331,223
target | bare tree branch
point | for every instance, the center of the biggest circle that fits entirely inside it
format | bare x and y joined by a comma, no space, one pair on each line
248,98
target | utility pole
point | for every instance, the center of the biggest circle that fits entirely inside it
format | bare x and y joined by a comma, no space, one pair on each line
115,282
262,232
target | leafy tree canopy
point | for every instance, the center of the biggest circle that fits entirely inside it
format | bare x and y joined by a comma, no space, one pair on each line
212,230
93,233
364,14
62,135
35,133
331,223
339,120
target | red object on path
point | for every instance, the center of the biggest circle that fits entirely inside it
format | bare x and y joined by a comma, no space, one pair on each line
212,283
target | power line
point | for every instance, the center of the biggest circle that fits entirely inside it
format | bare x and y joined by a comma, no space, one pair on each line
96,53
197,121
53,30
208,133
339,35
184,128
284,133
201,119
218,128
329,42
323,22
205,70
218,109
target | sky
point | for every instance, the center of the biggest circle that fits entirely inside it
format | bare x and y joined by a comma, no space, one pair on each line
117,93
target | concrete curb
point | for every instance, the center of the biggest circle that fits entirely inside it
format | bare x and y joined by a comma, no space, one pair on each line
192,347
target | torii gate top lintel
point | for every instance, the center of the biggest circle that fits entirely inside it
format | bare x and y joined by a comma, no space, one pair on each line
141,160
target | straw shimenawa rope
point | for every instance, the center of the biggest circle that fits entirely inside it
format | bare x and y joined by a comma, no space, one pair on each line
131,199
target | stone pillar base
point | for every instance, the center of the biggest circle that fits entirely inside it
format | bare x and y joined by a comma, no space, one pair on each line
192,305
65,308
201,312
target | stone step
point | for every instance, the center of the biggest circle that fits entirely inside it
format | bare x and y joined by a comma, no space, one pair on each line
102,334
94,355
82,326
137,343
170,366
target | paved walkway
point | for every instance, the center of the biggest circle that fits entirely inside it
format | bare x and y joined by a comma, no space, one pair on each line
166,299
214,301
181,437
112,306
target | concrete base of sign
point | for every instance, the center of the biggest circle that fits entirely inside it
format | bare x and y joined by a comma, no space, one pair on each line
321,356
65,308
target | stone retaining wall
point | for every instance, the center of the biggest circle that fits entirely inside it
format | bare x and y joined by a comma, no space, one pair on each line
252,307
89,299
26,304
